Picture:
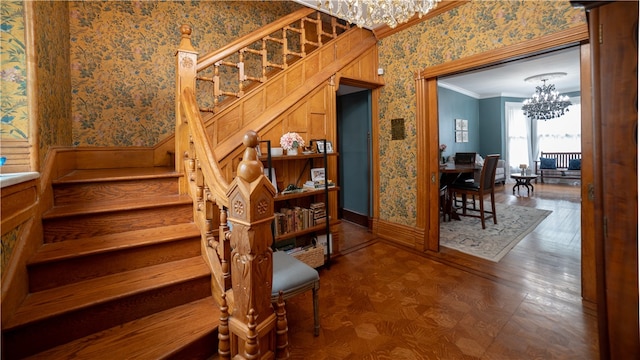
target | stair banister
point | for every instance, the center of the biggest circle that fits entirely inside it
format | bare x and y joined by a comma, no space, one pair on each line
232,48
215,182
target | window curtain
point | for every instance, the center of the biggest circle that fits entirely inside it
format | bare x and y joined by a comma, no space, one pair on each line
520,146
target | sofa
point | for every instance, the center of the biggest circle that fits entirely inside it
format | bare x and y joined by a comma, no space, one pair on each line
501,172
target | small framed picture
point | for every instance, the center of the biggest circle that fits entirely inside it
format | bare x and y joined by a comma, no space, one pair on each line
320,146
317,174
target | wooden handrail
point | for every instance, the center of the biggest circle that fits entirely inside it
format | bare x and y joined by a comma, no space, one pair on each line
233,47
216,183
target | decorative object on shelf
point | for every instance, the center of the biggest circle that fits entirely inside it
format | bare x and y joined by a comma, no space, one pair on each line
546,103
369,13
276,151
443,147
291,141
523,169
324,145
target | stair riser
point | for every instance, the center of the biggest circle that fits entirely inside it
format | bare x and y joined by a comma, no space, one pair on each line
114,190
203,348
67,271
42,335
83,226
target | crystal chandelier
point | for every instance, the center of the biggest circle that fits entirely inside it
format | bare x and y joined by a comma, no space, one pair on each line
546,103
371,12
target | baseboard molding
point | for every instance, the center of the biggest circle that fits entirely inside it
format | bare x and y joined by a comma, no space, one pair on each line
356,218
400,234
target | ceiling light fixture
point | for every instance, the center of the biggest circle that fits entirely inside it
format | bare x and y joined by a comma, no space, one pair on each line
371,12
546,103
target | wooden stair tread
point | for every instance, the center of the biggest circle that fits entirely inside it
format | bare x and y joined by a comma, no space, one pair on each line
58,300
118,174
112,242
152,337
95,207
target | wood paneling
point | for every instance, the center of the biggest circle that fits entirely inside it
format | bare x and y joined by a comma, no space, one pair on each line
18,154
614,30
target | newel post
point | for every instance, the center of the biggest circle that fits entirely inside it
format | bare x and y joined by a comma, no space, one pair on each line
186,61
252,320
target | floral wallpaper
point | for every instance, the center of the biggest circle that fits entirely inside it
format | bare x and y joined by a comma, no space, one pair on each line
123,61
14,118
51,41
473,28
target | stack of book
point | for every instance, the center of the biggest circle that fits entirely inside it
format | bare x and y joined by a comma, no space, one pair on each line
319,213
316,185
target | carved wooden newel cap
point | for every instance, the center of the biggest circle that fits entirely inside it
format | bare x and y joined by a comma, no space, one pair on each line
250,167
185,38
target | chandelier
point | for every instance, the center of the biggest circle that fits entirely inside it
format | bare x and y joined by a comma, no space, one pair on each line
546,103
371,12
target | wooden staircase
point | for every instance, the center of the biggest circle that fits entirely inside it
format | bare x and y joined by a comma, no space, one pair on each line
120,273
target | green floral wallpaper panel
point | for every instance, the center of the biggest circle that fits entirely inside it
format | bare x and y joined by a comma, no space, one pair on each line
123,60
14,118
473,28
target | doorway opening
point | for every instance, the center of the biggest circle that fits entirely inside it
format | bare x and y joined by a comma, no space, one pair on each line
353,111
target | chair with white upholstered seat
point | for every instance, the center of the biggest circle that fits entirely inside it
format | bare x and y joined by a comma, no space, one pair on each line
293,277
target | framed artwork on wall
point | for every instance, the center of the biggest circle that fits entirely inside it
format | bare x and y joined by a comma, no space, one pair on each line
462,130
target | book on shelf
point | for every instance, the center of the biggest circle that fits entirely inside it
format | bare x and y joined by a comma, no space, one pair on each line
288,220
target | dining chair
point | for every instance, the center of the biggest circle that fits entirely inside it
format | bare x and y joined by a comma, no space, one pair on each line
464,158
485,186
294,277
444,205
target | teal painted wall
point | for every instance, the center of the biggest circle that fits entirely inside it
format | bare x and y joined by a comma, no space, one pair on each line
453,105
491,127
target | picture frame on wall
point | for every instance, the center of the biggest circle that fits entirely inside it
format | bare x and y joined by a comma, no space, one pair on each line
461,130
458,125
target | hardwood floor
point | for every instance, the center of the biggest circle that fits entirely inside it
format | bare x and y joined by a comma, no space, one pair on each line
380,300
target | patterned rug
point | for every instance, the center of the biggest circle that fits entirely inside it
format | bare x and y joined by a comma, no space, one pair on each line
494,242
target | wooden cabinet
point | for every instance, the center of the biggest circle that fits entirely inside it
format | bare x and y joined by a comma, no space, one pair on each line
302,222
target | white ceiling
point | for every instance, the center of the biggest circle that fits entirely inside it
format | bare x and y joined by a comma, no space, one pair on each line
508,79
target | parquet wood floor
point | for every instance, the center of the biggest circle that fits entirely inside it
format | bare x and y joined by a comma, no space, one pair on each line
380,300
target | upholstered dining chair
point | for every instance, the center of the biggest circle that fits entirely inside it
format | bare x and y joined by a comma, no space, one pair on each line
486,186
294,277
465,158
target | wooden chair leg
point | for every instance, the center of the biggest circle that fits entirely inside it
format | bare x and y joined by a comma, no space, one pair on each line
493,208
316,320
482,214
464,204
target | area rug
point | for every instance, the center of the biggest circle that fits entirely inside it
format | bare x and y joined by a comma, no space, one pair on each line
494,242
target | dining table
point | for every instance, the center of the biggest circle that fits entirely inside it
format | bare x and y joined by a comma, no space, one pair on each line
449,173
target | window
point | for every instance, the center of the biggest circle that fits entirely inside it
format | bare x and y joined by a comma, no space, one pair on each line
526,138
